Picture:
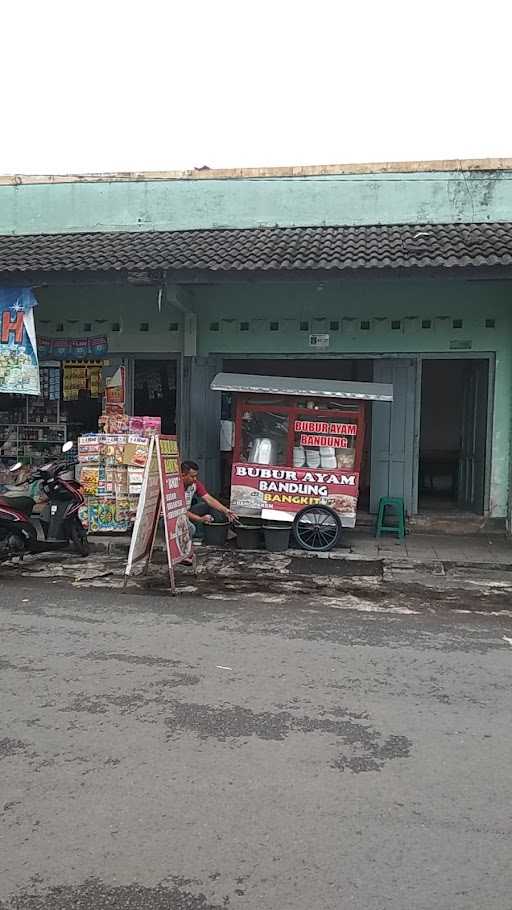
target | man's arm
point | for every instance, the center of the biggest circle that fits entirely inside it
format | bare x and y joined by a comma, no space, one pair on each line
197,519
215,504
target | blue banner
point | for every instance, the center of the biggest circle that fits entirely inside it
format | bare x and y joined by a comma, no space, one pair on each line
72,348
19,370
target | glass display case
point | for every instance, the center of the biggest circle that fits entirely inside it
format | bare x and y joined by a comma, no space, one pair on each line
325,436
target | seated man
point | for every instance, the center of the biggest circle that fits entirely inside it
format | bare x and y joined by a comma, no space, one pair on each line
202,508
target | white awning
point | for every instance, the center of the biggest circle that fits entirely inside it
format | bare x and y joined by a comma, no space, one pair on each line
303,388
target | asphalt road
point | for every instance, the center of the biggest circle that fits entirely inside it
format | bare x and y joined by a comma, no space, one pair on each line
250,752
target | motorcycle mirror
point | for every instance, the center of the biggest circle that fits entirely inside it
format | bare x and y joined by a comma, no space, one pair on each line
67,446
16,467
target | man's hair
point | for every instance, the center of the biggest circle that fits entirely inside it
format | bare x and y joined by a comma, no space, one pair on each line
187,466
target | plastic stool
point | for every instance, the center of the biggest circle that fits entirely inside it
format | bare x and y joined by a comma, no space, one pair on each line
396,504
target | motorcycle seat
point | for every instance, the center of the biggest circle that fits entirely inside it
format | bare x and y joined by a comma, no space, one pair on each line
23,504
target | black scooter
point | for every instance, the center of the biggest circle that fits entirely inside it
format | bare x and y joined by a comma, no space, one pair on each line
59,523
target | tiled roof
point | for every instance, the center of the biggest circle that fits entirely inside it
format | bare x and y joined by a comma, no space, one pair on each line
265,249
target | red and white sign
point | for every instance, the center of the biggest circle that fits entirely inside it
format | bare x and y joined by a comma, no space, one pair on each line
255,488
115,392
162,490
334,442
177,532
325,428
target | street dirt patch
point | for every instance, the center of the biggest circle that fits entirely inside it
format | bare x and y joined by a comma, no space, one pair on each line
96,895
10,747
369,751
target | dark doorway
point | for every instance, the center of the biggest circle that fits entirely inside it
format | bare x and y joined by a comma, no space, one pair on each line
453,435
154,393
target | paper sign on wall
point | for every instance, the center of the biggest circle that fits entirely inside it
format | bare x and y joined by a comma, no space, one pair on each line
115,392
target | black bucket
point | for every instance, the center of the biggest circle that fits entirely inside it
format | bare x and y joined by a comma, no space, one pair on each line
248,537
250,521
277,537
216,533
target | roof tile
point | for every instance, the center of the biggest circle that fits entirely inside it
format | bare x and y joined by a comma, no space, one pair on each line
264,249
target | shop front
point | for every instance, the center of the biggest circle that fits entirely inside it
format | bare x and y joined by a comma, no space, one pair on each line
33,428
187,305
297,451
432,446
84,335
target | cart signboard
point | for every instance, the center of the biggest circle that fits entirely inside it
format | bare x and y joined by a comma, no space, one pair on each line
255,488
19,369
162,493
300,450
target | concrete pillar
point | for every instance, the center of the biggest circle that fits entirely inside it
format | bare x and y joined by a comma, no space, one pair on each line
200,417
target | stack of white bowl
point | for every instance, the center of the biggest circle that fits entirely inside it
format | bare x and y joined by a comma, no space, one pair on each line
313,458
328,457
299,456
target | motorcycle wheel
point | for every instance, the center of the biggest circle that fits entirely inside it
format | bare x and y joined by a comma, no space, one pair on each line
11,545
79,540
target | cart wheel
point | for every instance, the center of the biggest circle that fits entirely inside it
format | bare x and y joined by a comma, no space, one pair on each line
317,528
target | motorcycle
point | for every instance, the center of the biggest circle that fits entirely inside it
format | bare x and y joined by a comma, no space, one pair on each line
59,523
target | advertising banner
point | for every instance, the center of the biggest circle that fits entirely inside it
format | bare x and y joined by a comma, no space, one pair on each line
148,512
162,492
68,348
177,533
255,488
19,370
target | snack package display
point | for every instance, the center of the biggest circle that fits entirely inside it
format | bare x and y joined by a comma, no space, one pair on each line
152,426
136,425
120,478
103,517
123,510
89,448
135,451
112,466
135,478
89,479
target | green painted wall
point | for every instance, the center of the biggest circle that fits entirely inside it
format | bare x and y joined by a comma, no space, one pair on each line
187,204
102,306
356,305
364,310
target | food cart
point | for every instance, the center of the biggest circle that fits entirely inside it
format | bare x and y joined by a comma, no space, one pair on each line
297,450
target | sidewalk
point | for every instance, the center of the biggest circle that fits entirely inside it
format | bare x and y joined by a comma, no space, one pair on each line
362,553
470,549
464,573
